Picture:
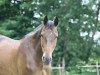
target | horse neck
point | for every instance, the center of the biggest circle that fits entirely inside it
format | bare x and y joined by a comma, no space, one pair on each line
31,48
37,49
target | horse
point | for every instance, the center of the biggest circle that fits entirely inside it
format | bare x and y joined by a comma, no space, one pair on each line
31,55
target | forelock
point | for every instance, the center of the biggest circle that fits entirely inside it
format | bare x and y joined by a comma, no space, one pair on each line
50,24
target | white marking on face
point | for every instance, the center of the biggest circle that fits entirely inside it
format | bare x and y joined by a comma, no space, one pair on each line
50,33
47,54
49,39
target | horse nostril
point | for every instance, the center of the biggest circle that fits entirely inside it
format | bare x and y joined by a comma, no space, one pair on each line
43,58
50,59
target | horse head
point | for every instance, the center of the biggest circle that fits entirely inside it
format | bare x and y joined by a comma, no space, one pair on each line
49,36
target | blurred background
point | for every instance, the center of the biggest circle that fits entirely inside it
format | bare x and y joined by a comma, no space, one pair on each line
78,46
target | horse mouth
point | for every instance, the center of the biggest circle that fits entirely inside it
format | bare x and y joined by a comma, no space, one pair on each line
46,62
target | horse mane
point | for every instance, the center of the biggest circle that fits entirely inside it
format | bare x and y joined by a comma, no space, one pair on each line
35,32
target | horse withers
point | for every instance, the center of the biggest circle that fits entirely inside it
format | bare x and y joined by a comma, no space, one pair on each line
31,55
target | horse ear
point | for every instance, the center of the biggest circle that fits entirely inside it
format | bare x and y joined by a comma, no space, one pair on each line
56,21
45,20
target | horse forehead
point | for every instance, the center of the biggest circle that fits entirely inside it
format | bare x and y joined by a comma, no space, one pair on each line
50,34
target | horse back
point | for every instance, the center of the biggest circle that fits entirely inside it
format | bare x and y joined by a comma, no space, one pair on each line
8,53
8,47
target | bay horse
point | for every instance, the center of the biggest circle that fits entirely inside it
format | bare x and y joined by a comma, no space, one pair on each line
31,55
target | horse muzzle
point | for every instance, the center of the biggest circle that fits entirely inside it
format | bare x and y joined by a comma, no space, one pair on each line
46,60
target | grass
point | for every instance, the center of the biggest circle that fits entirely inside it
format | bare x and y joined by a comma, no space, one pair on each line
77,72
83,73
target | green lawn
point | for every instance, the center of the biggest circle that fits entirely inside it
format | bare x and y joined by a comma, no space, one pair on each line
77,72
83,73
